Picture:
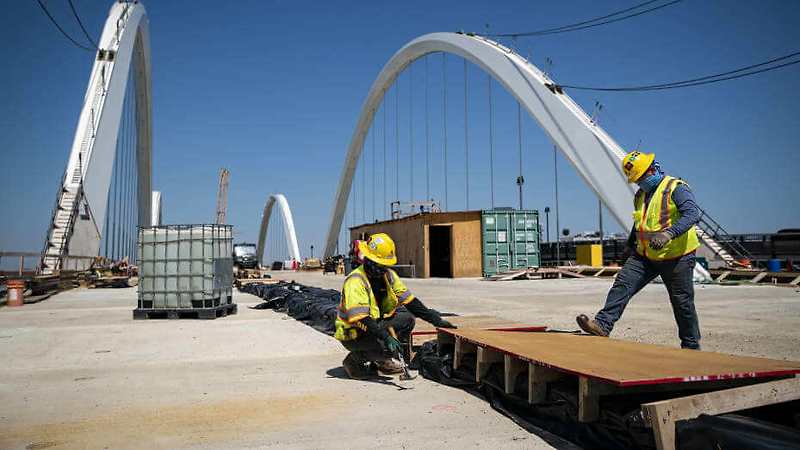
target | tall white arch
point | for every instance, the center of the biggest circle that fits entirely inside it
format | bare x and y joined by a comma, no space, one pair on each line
593,153
78,221
288,226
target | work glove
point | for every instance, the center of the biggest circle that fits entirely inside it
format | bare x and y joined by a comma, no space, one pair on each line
392,345
445,324
659,240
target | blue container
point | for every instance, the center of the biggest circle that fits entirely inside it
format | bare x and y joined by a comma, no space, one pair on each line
774,265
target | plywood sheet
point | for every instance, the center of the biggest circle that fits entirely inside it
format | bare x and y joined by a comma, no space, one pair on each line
624,363
479,322
423,331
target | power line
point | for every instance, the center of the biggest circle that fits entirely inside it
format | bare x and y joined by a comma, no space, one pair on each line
85,33
597,21
66,35
708,79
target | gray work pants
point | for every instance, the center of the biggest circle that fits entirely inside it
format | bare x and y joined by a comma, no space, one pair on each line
677,276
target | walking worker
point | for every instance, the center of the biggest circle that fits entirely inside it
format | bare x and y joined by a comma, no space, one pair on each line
377,311
664,216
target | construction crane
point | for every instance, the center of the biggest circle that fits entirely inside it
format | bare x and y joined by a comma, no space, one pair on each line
222,195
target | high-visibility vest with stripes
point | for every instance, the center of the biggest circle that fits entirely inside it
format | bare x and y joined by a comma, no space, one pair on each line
358,301
658,215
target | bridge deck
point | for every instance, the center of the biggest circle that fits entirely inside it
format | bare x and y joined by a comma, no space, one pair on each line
623,363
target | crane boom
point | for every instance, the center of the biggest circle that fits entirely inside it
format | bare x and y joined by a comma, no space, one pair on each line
222,195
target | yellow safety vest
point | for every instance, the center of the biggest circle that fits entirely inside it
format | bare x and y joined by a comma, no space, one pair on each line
358,301
658,215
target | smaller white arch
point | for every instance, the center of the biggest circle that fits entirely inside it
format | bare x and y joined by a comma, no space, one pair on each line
155,209
288,225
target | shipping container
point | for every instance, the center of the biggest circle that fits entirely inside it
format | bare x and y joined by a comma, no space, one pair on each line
510,240
185,266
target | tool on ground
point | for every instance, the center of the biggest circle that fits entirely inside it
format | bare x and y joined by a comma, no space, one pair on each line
406,375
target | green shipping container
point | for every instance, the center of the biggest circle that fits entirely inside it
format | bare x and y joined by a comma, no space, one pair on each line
510,240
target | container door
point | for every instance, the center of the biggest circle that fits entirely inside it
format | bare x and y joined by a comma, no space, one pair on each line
526,239
497,242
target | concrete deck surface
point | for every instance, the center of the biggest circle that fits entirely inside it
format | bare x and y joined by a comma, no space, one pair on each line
78,372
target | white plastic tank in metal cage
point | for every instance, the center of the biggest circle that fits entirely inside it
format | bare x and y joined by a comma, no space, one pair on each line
185,266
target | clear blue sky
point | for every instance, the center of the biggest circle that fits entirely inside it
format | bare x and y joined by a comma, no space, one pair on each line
272,89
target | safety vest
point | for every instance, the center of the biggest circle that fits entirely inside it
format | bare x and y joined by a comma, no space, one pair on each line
658,215
358,301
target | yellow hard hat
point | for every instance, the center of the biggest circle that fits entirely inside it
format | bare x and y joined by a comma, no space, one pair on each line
636,163
379,248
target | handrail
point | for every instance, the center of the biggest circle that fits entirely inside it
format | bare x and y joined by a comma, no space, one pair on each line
715,231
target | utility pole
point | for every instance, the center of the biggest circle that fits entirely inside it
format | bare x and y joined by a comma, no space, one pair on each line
547,221
520,178
558,225
600,216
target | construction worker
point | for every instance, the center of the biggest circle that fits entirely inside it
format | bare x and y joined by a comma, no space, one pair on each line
377,311
665,241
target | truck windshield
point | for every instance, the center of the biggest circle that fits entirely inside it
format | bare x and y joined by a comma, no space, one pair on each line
244,250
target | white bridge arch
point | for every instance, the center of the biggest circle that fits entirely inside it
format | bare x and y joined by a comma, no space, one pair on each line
288,226
80,216
593,153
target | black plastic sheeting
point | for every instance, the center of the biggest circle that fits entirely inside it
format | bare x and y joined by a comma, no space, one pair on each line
313,306
621,425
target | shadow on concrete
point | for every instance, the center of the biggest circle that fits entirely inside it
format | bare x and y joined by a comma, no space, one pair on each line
338,372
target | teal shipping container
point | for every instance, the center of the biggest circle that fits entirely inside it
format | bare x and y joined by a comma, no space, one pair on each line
509,240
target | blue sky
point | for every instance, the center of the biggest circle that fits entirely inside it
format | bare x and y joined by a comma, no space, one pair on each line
272,89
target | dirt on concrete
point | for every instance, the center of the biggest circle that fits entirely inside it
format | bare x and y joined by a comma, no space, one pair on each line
78,372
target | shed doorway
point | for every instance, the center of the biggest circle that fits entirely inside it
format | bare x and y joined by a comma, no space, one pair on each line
440,251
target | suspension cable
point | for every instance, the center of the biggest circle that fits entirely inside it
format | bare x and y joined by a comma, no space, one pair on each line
373,166
397,138
491,143
411,127
383,108
363,185
444,123
466,137
427,139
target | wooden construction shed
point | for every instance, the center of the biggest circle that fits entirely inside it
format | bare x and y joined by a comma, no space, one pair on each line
437,244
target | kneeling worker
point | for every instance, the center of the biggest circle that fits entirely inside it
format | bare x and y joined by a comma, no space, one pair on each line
664,217
375,307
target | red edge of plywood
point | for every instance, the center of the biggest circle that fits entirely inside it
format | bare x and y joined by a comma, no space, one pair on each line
525,329
643,382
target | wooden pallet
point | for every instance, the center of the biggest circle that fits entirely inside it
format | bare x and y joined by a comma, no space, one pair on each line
184,313
536,273
790,279
610,367
240,282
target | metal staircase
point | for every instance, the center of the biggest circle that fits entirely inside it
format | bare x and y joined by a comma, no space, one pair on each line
720,241
62,224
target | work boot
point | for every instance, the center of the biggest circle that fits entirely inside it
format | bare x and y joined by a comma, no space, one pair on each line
590,326
388,366
357,367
